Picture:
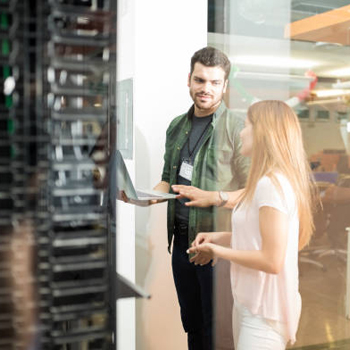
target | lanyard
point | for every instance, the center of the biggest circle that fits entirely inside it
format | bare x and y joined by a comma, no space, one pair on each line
200,137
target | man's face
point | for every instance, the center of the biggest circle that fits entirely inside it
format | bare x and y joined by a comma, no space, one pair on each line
207,87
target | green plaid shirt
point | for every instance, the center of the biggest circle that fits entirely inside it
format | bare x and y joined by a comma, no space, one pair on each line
218,165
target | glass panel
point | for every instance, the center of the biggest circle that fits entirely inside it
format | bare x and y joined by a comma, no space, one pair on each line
310,71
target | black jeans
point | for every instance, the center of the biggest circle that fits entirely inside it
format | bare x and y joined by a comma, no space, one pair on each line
194,286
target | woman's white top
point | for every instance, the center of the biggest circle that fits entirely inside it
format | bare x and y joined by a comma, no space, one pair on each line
274,297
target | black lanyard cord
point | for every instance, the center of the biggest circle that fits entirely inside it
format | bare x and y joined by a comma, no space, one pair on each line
200,137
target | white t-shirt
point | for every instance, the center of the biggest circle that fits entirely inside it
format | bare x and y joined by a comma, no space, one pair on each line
274,297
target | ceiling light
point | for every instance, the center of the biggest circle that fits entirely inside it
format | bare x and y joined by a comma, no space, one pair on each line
272,61
331,92
295,80
325,102
327,44
342,72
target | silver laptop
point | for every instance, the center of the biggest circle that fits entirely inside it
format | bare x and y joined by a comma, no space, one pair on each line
124,183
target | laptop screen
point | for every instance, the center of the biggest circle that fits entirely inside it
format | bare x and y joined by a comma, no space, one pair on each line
122,177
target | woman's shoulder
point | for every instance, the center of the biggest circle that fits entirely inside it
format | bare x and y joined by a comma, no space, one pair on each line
275,182
275,190
273,178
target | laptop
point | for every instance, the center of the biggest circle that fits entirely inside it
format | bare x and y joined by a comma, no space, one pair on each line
124,183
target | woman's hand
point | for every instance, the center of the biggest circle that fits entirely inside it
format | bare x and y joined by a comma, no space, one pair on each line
204,253
197,197
202,248
203,237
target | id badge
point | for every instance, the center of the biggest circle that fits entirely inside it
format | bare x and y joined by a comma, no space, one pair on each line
186,170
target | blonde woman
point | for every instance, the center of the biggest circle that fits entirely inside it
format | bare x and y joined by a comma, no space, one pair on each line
270,223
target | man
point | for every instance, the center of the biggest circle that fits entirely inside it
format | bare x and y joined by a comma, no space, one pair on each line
202,150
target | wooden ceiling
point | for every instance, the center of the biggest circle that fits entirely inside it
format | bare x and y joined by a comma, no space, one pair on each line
332,27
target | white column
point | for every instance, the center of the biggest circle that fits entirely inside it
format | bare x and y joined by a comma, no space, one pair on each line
156,40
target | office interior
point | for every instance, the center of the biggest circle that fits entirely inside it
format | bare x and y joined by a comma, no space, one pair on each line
80,270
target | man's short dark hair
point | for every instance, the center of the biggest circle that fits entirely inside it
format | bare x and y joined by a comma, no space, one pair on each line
211,57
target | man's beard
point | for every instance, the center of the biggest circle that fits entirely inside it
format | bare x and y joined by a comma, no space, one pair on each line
206,105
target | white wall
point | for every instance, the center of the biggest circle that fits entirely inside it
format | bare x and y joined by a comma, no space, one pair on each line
156,40
125,212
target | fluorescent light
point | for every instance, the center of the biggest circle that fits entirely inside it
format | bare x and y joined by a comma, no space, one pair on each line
330,93
277,77
325,102
273,61
341,72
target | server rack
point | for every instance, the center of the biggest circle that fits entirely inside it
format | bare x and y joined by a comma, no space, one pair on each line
57,243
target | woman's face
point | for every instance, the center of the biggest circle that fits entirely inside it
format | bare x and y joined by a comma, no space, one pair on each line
247,138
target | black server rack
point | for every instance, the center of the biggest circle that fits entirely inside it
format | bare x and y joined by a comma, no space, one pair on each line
57,111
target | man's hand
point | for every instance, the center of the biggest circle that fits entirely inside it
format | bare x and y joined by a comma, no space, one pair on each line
197,197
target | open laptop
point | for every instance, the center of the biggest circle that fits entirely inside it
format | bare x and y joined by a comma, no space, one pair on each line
124,183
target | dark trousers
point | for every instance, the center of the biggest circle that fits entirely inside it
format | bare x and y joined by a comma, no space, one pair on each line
194,286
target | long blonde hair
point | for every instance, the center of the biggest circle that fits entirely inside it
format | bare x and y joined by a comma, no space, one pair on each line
278,147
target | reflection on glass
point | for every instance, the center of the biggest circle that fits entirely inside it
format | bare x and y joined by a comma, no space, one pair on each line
270,65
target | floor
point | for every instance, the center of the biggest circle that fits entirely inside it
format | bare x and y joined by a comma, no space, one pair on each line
323,324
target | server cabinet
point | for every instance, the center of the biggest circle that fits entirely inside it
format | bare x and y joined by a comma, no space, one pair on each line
57,245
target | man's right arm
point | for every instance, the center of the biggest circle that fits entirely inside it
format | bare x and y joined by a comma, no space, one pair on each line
163,185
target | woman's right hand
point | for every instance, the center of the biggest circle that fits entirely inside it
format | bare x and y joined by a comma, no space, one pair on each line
205,244
203,237
200,256
201,250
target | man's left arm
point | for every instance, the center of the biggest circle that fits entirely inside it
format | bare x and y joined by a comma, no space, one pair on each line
240,163
202,198
240,168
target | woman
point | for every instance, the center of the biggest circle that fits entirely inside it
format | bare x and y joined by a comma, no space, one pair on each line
270,223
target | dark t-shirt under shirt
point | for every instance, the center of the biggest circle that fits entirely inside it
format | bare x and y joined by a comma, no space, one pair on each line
188,152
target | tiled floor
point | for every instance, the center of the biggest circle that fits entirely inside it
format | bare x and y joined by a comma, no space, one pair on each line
323,324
